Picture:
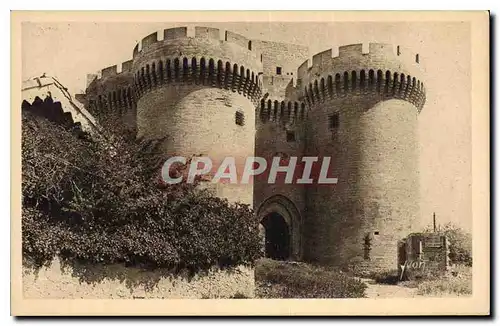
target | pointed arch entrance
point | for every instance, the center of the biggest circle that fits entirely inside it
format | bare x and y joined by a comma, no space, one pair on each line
277,236
280,226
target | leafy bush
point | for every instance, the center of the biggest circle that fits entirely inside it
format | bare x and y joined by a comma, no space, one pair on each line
90,202
277,279
460,243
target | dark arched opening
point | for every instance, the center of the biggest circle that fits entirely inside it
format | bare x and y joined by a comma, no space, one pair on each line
277,237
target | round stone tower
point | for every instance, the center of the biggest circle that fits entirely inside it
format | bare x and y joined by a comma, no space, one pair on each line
363,114
199,93
111,97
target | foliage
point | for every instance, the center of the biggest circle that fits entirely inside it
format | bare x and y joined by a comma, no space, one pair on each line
278,279
460,243
90,202
458,283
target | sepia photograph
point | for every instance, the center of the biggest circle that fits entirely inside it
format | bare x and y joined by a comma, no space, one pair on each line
161,158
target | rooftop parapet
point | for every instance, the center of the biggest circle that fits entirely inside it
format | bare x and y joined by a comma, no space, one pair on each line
173,33
113,70
109,74
391,69
375,56
110,80
198,55
208,33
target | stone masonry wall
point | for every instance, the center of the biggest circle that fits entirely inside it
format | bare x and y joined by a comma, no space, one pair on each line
112,95
363,108
280,136
201,121
119,282
192,89
286,56
373,204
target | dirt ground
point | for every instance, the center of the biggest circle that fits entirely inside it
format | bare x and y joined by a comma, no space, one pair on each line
375,290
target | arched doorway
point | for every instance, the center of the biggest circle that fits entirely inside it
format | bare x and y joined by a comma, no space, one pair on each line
277,237
280,227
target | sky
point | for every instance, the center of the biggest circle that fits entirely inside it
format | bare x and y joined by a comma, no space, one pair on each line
71,50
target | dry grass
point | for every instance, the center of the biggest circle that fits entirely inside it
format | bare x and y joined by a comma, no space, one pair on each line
278,279
459,283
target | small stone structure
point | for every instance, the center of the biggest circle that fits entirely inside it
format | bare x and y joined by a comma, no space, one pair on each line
423,253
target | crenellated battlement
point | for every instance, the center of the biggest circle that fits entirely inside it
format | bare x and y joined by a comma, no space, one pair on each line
198,55
112,91
367,56
283,112
199,32
390,71
111,71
